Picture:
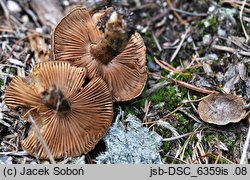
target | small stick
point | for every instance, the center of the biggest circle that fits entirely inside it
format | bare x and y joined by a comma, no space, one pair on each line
146,109
5,10
167,66
41,139
156,42
163,118
172,112
241,21
246,145
180,136
170,68
231,50
179,46
224,48
175,12
189,13
189,86
221,157
193,87
20,40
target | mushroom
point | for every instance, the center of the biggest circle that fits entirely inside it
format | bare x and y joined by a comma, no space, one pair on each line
221,109
113,54
73,114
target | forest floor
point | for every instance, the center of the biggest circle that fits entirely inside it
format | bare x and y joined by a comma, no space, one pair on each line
201,45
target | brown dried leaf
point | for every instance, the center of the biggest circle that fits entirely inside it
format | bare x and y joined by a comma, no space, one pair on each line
221,109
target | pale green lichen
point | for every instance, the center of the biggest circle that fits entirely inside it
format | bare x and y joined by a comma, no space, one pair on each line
128,142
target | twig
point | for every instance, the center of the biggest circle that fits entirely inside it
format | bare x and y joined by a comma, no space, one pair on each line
192,87
189,86
192,104
146,109
241,21
175,12
19,41
180,136
5,10
188,13
170,68
156,42
179,46
167,66
163,118
18,153
41,139
224,48
229,49
245,147
155,87
191,116
174,158
217,159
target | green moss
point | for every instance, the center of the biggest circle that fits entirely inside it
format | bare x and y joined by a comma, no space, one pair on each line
186,76
170,95
165,73
208,25
221,137
213,22
238,137
128,110
183,125
230,145
149,41
148,57
1,82
182,77
209,138
189,46
190,151
166,145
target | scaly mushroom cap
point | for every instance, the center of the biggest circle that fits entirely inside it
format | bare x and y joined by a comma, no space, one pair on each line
72,118
125,74
221,109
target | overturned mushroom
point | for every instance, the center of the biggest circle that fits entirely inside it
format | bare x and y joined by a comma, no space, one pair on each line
221,109
72,114
113,54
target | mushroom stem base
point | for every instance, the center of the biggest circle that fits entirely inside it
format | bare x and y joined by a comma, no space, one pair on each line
53,98
114,41
108,48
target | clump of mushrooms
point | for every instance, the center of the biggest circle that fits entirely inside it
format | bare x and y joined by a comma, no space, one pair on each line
112,54
73,114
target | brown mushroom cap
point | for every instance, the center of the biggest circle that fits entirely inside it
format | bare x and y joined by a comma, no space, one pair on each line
125,74
221,109
67,131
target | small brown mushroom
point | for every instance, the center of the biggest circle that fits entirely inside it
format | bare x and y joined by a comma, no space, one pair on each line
73,115
114,55
221,109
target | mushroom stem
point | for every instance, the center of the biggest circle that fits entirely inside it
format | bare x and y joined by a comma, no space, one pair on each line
53,98
114,41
